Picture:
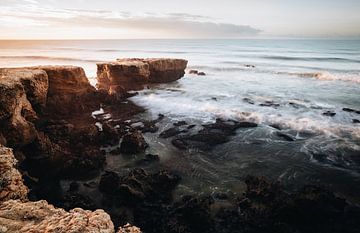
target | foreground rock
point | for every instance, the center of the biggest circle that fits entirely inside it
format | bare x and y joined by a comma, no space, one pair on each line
16,216
11,181
132,74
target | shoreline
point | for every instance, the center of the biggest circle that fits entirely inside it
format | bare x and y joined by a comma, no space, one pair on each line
65,143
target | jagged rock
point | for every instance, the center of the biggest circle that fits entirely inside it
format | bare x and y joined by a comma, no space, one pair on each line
201,74
139,186
129,229
16,216
17,116
133,142
193,71
329,113
11,181
35,83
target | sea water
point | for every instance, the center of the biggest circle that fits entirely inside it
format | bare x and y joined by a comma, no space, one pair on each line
304,78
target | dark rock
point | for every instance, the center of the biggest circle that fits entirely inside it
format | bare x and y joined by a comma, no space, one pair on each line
133,142
170,132
249,66
245,124
180,123
180,144
191,126
276,126
285,136
351,110
214,98
201,74
74,186
270,103
193,72
152,157
356,121
248,100
329,113
139,186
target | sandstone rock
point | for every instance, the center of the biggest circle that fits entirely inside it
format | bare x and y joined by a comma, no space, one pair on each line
68,89
35,83
164,70
129,229
116,77
16,113
133,73
38,217
11,182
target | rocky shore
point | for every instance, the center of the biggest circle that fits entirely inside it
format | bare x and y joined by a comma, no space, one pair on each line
58,125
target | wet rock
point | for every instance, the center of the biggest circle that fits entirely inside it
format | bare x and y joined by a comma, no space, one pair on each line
276,126
16,216
329,113
201,74
191,126
149,158
74,186
249,66
248,100
270,103
193,71
170,132
133,142
11,181
180,144
351,110
285,136
356,121
180,123
139,186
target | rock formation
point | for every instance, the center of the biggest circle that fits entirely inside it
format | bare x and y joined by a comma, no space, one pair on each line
131,74
11,182
19,215
16,216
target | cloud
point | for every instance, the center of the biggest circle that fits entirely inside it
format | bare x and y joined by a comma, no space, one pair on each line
173,25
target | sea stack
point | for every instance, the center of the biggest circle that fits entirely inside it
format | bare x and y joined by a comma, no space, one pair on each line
134,73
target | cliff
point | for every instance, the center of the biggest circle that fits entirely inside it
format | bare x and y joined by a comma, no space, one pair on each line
133,73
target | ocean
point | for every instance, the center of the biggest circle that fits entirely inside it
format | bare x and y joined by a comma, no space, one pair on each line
301,79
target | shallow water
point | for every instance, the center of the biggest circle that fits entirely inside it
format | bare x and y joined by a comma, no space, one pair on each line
305,78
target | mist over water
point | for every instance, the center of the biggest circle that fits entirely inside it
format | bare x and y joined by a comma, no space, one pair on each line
303,78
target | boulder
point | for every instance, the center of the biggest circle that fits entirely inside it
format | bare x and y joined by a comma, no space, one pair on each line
39,216
133,142
11,181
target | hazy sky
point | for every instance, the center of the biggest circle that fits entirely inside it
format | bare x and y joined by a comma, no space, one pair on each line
66,19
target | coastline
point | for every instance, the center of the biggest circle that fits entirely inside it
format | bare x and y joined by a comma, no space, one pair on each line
63,142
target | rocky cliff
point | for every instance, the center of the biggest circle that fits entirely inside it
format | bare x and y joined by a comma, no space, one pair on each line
19,215
134,73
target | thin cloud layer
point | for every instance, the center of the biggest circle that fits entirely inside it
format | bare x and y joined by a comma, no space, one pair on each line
179,25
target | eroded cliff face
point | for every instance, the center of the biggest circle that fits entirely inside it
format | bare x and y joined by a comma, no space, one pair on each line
133,73
11,181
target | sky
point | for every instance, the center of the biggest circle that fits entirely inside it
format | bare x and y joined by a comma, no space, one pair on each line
118,19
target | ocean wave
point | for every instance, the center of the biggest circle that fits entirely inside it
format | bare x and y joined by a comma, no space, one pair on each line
334,59
50,58
326,76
